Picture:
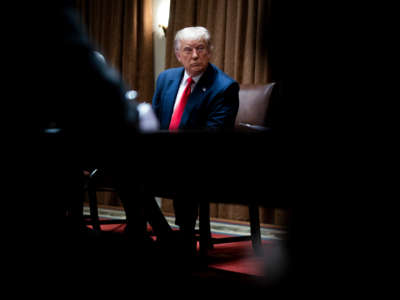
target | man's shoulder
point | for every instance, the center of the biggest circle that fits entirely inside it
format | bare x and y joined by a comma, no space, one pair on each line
222,77
171,72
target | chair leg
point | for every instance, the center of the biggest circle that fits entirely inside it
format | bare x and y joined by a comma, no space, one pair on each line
204,224
94,212
255,228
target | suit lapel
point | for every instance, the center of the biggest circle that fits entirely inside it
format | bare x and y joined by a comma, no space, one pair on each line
172,90
198,94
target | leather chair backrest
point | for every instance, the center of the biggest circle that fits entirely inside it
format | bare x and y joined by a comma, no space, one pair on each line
254,101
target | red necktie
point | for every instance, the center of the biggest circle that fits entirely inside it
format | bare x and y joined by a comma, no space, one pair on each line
178,112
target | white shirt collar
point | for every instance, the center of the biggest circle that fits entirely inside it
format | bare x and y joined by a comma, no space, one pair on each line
195,78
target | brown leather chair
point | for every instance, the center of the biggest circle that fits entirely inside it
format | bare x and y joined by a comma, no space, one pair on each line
254,115
254,106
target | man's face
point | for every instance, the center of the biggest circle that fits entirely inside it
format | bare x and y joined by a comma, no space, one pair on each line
194,56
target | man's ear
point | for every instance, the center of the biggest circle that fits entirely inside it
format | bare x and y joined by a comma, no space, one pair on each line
210,51
178,56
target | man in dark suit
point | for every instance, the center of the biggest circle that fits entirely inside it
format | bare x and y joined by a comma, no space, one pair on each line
211,103
77,116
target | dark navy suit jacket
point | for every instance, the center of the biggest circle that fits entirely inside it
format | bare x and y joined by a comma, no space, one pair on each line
213,104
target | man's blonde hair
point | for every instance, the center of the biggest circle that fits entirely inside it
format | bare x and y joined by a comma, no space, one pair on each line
192,34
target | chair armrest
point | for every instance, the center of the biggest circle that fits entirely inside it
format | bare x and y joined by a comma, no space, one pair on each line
251,127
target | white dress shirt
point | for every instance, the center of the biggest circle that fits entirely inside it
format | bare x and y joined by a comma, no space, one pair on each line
183,85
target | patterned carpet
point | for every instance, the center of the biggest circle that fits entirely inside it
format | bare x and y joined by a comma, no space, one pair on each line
235,261
218,226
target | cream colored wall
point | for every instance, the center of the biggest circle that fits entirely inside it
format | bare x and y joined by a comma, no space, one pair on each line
160,14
